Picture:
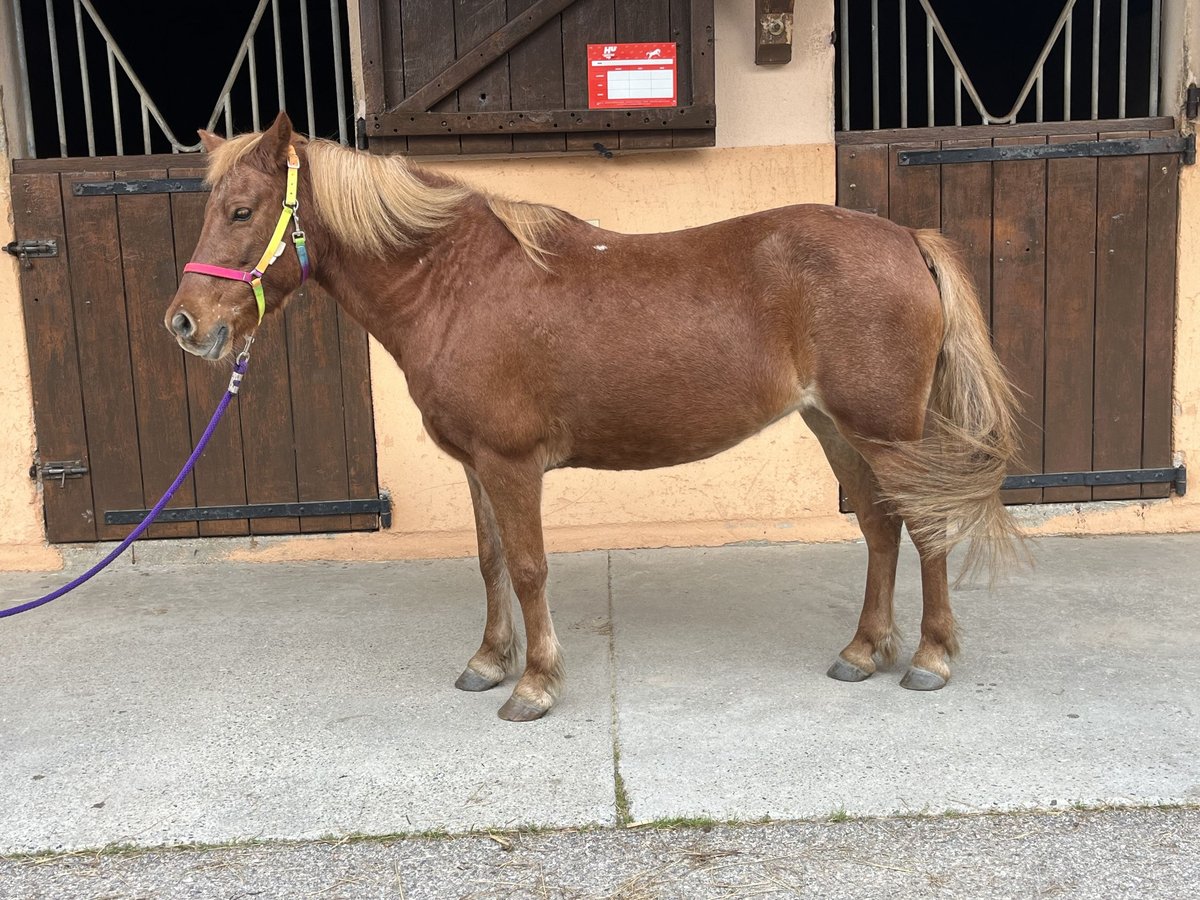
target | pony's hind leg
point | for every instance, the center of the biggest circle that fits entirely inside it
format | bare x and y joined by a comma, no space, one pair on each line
930,670
876,636
497,654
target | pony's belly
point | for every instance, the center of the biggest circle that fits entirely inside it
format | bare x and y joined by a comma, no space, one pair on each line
661,442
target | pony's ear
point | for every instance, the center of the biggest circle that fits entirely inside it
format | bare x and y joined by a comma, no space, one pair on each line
209,140
272,148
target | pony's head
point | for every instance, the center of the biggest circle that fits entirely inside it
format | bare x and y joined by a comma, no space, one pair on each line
218,302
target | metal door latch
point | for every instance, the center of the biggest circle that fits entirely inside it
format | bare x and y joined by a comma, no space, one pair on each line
58,471
27,250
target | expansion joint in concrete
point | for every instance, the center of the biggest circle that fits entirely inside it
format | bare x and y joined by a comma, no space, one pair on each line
624,814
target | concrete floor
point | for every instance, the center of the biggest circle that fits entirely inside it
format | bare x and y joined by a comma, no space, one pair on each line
216,702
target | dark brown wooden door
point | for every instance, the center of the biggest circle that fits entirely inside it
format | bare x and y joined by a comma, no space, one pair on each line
1074,260
113,391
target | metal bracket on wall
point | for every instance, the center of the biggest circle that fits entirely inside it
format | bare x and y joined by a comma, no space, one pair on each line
773,23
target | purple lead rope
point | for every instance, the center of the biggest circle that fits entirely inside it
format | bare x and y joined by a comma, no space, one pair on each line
239,369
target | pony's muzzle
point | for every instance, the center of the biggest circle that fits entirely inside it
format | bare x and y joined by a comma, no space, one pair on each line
182,325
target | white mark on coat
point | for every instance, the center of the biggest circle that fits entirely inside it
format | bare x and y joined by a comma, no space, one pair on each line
600,247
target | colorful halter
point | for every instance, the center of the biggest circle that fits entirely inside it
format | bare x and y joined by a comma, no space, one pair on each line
274,249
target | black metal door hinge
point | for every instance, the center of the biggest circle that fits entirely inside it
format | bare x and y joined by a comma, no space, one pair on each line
381,506
1184,145
27,250
58,471
1193,101
139,186
360,133
1175,476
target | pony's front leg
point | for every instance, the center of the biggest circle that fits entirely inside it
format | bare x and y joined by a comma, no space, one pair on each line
515,490
497,654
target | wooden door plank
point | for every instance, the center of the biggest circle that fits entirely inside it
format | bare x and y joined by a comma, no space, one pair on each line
268,434
220,473
648,20
862,178
359,417
428,38
317,404
584,22
914,192
53,357
1161,235
1018,296
159,382
488,90
102,333
536,67
372,27
471,58
1120,315
390,66
967,218
1070,315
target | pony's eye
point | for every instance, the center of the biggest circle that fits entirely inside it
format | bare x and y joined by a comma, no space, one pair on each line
241,214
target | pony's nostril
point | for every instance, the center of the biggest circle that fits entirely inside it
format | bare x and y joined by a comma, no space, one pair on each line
182,324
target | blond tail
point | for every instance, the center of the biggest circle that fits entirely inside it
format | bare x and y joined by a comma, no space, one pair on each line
947,485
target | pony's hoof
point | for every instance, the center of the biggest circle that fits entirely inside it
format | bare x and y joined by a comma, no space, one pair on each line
922,680
517,710
470,680
845,671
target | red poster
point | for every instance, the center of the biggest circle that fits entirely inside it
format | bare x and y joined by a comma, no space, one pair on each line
629,76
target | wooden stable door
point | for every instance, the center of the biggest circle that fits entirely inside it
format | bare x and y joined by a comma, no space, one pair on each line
117,404
1074,259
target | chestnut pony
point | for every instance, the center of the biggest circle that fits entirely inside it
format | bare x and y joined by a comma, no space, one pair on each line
532,340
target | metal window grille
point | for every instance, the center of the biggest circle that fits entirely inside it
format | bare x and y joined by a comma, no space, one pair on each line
899,67
92,78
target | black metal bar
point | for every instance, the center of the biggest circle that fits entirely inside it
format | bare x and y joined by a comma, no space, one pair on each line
1176,476
380,506
395,123
1133,147
139,186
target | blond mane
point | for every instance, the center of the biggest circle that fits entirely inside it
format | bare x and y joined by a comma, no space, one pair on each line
381,203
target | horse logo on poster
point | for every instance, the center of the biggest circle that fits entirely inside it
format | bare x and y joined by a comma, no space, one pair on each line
630,76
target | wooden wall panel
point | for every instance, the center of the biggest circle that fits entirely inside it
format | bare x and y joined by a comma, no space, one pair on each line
537,72
967,217
53,357
862,174
428,47
317,405
102,332
1070,314
1120,315
159,382
474,20
584,22
268,432
1018,291
914,192
220,473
